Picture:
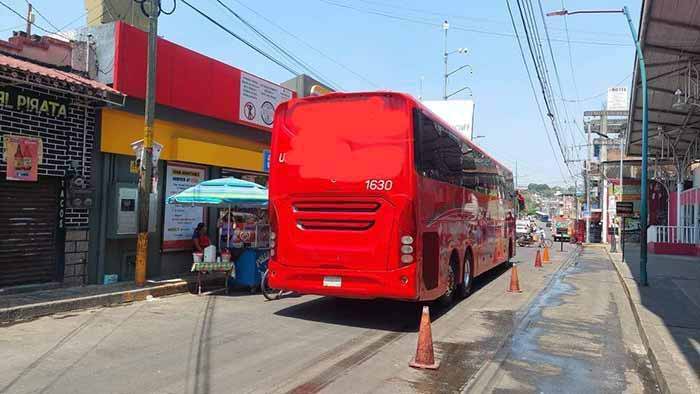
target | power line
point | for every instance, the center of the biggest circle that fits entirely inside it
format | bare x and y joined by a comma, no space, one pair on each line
534,91
280,49
541,76
360,76
603,93
471,30
241,39
451,16
556,73
571,63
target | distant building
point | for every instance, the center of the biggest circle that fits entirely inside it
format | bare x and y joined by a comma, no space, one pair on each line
302,85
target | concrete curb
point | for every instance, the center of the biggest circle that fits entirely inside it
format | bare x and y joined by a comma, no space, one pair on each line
32,311
660,378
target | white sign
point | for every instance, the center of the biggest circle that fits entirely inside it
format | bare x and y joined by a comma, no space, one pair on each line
259,98
457,113
181,220
617,99
137,147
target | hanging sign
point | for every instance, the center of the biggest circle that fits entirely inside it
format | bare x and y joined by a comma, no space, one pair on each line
624,208
22,155
181,220
16,99
258,100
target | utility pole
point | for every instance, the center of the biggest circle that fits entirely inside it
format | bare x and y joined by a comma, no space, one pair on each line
445,27
30,19
146,167
588,185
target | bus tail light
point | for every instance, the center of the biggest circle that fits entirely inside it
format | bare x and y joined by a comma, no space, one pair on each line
407,239
273,231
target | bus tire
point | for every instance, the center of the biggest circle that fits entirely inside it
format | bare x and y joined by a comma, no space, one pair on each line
465,287
449,296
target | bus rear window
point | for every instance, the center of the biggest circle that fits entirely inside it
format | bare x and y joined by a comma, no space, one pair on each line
348,139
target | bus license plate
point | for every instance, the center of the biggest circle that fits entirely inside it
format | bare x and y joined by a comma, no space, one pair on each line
331,281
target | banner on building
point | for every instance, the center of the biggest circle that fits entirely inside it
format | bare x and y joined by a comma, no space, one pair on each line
180,220
22,155
259,99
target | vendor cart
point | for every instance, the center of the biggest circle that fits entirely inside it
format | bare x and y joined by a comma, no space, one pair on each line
250,240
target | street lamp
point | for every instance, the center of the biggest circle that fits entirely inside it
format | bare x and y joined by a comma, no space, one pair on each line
445,55
645,133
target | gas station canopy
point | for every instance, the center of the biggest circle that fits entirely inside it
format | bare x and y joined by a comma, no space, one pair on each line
670,39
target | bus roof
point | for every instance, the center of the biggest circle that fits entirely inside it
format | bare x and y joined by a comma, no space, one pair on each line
413,102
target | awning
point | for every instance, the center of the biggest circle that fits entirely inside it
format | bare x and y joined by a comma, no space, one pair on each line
26,72
670,40
223,193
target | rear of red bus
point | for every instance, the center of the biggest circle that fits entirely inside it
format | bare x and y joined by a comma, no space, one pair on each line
341,196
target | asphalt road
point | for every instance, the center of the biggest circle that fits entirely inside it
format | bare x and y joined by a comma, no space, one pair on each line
242,344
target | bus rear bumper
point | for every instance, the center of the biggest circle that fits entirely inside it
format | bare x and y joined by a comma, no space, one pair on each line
397,284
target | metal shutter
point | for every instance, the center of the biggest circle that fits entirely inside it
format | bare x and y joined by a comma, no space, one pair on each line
28,229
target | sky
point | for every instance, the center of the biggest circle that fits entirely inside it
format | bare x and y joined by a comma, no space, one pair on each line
361,45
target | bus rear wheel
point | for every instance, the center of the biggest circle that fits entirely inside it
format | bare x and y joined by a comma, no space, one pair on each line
465,288
449,296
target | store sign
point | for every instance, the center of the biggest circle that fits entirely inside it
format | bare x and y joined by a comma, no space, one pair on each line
22,155
181,220
26,101
624,208
258,100
266,160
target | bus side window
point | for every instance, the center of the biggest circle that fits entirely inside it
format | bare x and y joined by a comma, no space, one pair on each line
438,153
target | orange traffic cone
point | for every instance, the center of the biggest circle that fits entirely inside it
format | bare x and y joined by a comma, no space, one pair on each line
514,282
538,260
425,357
545,255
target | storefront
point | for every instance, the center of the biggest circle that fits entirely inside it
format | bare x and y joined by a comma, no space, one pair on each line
212,120
47,132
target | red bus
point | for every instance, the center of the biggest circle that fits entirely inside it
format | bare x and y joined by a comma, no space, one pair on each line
374,196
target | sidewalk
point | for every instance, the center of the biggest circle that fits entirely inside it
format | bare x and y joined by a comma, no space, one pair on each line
25,306
578,335
668,311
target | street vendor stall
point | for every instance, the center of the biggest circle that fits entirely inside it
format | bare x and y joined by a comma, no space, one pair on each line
243,229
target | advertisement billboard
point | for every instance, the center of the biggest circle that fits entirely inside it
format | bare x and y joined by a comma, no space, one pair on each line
181,220
617,99
457,113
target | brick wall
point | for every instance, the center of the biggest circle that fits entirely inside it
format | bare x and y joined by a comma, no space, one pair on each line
62,140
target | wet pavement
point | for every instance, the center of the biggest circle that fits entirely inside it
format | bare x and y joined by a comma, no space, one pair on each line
571,328
578,336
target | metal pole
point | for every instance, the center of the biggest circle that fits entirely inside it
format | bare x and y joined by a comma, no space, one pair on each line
445,26
146,168
29,19
645,155
622,174
588,186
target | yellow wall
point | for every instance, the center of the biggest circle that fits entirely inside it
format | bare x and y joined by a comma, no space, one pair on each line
180,142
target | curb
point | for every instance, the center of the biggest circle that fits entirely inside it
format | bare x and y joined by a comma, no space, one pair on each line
658,373
32,311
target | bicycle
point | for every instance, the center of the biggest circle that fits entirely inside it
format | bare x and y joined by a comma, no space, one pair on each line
269,293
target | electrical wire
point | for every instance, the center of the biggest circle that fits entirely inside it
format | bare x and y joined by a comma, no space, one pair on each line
241,39
471,18
471,30
541,77
313,72
571,65
558,77
534,91
360,76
